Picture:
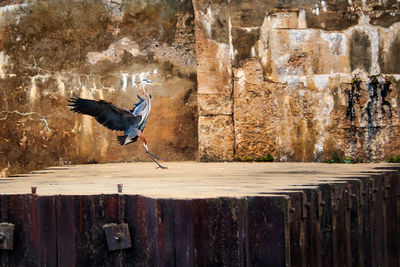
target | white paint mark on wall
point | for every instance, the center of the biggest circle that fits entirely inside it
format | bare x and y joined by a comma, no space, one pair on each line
134,80
241,80
324,7
222,55
316,10
298,37
3,63
60,84
253,52
33,91
323,112
231,51
321,81
143,75
302,19
124,81
7,11
337,42
207,21
9,8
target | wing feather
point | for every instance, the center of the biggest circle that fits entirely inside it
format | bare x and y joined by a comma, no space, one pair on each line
106,113
139,106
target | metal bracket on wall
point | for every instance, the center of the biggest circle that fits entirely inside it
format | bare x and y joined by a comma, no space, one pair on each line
6,236
118,236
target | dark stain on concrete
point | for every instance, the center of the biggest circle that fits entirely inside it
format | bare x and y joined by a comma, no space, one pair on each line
353,95
360,51
390,62
243,41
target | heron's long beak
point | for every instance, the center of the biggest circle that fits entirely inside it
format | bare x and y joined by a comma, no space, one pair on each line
151,82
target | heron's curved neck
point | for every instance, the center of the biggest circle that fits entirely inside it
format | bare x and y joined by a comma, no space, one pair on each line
146,95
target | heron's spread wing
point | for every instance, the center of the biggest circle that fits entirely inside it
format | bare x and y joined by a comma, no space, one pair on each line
105,113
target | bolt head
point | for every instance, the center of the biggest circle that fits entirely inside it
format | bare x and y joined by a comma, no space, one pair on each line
119,236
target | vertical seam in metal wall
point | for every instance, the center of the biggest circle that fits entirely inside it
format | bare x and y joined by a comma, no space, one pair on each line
56,222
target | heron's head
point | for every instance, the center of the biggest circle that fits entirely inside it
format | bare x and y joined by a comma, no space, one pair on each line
148,82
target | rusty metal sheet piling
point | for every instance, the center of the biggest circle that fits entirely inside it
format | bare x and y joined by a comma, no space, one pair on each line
313,228
341,224
297,216
184,232
379,222
35,230
327,220
355,220
140,215
351,221
393,219
367,222
269,231
80,237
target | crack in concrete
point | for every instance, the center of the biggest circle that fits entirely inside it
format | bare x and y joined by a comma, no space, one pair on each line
7,112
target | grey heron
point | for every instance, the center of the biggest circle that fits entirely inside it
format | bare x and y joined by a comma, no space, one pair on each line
131,122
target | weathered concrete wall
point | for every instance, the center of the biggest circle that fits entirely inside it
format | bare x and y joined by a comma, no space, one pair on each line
298,79
96,49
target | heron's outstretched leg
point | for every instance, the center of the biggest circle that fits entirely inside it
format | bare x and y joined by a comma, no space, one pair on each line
151,155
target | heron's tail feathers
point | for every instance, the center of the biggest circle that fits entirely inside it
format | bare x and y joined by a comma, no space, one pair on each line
122,140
